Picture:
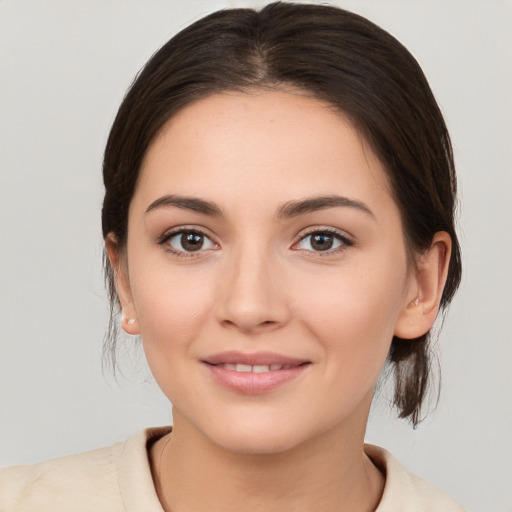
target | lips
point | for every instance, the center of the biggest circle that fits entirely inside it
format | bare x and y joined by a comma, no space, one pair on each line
254,359
257,368
254,373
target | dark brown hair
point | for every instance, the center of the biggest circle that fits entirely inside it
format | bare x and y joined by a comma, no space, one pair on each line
333,55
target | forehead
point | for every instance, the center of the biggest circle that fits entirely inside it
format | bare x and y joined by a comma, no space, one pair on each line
275,144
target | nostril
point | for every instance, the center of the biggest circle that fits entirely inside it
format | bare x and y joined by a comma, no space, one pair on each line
268,323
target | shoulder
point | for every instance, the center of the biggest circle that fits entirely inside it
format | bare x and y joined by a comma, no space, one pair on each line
89,479
95,480
405,491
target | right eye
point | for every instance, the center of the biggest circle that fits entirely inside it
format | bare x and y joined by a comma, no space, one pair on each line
186,241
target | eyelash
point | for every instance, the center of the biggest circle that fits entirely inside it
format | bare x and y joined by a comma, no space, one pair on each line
346,242
166,237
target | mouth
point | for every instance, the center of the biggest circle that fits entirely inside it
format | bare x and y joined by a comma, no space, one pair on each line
254,373
257,368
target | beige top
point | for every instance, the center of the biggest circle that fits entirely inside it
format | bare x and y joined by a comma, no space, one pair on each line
118,479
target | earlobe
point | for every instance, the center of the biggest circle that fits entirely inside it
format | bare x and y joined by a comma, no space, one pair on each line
129,325
422,302
129,321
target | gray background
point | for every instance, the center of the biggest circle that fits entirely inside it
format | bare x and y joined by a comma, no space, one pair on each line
64,69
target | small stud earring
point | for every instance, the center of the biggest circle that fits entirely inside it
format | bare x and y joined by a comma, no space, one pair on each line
415,302
131,321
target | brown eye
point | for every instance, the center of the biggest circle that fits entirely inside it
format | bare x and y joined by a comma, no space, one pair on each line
189,241
323,241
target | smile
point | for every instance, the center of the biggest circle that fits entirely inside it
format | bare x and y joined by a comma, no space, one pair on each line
255,373
259,368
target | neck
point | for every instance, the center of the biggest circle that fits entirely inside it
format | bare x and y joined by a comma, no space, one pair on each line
326,474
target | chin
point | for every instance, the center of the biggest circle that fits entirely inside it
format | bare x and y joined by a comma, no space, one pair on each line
253,434
266,434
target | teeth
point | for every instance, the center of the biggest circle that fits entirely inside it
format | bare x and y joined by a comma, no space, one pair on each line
258,368
261,368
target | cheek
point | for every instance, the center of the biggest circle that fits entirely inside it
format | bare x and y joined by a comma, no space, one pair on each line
353,313
172,305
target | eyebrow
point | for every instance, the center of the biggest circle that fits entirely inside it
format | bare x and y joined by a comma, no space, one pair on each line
187,203
295,208
288,210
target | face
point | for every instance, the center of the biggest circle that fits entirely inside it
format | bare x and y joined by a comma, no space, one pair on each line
266,268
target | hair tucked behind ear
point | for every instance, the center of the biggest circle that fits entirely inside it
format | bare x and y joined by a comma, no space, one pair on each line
112,334
336,56
412,365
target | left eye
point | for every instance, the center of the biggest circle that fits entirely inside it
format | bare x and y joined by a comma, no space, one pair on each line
190,241
321,241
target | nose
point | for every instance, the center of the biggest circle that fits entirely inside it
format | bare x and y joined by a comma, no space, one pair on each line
252,293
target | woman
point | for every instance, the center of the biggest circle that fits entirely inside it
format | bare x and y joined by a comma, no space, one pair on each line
278,224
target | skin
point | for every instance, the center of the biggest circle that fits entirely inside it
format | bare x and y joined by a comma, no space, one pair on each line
258,284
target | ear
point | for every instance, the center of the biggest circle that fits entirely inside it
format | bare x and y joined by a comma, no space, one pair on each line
118,263
425,290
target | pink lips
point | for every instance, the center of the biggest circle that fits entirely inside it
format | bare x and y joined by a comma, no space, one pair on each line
253,373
